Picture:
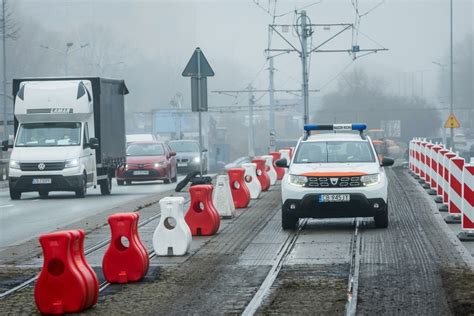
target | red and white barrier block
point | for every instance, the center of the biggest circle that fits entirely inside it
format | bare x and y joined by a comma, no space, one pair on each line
456,167
434,169
445,180
467,204
440,175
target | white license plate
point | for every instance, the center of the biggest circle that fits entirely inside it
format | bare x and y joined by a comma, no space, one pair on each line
42,181
182,164
141,173
328,198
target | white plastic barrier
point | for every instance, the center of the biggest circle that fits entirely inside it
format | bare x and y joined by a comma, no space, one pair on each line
172,237
251,180
222,197
270,168
285,153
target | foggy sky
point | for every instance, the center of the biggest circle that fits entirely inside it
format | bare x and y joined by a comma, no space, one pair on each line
233,35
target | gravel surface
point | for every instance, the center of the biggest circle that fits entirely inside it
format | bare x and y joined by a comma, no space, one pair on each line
308,290
400,266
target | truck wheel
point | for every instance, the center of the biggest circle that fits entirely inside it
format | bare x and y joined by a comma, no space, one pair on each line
288,220
106,186
81,192
14,194
381,220
120,182
43,194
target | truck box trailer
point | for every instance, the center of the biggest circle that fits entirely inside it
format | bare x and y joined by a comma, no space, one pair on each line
69,134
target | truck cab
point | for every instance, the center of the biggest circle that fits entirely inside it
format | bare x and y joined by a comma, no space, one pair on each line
55,146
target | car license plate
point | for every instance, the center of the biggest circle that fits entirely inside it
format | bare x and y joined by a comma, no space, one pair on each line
328,198
182,164
141,173
42,181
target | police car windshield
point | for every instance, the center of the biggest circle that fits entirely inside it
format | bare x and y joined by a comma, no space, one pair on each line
334,152
49,134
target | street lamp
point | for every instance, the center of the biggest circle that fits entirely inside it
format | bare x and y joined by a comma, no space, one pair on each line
66,53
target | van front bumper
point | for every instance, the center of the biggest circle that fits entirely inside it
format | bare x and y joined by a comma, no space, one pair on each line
58,183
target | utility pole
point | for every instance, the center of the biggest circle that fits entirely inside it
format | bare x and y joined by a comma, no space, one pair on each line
271,94
4,74
451,62
251,132
305,31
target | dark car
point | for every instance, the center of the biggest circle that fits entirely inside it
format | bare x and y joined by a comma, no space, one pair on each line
187,155
148,160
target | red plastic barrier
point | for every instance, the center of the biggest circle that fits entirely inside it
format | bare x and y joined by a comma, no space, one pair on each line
202,216
66,284
126,259
238,187
280,171
262,174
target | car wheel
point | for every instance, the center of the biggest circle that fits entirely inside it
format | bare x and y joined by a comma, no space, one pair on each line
14,194
81,192
120,182
288,220
43,194
381,220
106,186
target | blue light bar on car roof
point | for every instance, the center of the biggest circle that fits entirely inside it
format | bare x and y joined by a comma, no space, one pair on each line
335,127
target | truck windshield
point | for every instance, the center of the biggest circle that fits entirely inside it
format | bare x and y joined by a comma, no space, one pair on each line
186,147
144,149
49,134
334,152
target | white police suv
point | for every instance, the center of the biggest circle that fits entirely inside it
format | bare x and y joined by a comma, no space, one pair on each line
334,173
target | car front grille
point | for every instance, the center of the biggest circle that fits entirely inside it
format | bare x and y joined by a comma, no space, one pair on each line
42,166
182,159
334,182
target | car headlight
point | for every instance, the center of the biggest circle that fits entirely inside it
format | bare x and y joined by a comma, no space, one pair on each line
370,179
158,164
14,164
297,180
197,159
71,163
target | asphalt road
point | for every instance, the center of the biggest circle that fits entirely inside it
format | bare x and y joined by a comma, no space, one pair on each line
27,218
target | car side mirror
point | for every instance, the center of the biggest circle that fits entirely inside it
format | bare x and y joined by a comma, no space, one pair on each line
282,163
94,143
387,162
6,145
172,153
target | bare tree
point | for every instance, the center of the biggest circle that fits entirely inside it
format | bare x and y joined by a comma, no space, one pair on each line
9,28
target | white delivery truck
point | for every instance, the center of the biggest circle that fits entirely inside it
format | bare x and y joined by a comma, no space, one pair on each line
69,135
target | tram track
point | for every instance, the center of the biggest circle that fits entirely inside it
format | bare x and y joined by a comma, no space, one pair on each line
30,281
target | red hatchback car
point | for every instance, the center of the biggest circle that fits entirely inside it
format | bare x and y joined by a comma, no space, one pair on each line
148,160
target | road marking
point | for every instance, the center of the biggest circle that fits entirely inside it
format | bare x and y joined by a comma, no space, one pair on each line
7,205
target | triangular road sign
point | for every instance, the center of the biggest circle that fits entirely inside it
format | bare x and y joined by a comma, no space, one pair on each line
452,122
191,69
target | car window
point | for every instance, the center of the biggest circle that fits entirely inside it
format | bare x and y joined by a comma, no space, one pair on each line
184,146
334,152
144,149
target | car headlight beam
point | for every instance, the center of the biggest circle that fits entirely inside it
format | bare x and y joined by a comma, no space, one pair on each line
370,179
297,180
14,164
71,163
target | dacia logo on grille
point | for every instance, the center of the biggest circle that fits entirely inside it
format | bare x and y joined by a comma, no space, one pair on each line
334,181
41,166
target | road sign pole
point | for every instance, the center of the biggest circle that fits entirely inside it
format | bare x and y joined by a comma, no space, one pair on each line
200,110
